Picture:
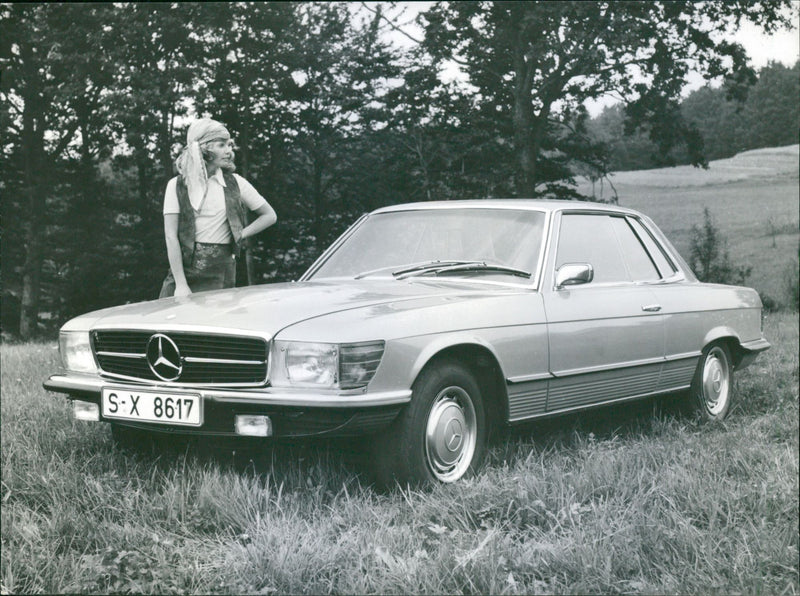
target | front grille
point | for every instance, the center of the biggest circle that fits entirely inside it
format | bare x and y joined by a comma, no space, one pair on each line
207,360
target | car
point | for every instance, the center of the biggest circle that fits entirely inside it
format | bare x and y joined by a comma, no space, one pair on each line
424,327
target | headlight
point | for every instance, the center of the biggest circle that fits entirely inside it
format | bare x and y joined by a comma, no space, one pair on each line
76,351
328,366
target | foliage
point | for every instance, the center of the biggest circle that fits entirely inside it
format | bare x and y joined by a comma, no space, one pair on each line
769,116
331,120
709,257
533,64
791,286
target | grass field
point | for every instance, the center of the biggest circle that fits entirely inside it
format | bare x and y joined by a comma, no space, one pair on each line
629,499
632,499
754,198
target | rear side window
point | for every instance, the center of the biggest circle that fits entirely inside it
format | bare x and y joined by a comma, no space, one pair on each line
609,244
665,266
640,265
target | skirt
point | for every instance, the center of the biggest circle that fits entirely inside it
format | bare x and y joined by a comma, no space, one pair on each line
211,267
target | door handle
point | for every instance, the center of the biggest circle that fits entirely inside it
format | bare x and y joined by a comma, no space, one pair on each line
652,308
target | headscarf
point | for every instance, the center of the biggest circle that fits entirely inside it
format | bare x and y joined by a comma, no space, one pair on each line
190,162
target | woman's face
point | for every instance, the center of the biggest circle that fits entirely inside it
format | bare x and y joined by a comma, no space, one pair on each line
219,154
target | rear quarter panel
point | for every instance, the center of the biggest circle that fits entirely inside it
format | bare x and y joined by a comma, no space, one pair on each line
697,314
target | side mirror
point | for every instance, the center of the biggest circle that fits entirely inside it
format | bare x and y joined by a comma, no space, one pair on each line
574,274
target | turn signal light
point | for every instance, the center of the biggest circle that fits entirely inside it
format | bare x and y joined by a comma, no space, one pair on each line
253,426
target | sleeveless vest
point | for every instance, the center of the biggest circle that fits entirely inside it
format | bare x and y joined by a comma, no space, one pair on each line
233,210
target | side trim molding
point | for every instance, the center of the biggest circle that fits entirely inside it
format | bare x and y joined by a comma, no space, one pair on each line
600,404
607,367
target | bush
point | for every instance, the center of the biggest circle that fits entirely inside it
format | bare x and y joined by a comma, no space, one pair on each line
709,257
769,303
791,286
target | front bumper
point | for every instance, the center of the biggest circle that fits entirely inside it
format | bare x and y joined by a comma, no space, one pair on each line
293,413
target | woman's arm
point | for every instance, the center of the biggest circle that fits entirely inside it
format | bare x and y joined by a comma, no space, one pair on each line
266,217
174,254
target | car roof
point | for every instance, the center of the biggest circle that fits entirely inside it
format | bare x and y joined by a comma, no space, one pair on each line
524,204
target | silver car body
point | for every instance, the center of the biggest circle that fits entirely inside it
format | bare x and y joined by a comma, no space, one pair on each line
551,348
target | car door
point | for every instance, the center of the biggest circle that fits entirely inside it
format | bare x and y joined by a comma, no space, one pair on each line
606,336
684,307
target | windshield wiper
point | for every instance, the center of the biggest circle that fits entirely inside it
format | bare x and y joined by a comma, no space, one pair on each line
459,267
406,268
429,266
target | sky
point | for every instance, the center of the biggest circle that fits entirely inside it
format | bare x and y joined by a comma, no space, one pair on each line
782,47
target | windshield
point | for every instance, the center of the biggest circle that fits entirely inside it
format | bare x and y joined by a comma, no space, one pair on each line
400,242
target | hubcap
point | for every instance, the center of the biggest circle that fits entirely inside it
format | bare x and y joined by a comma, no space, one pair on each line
451,434
716,381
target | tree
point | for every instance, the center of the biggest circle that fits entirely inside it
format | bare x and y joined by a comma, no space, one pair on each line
54,80
768,116
341,74
771,114
533,64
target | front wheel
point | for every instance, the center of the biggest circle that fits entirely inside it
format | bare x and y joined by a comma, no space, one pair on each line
711,392
441,436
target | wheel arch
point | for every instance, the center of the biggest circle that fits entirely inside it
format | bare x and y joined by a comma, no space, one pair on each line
731,339
479,359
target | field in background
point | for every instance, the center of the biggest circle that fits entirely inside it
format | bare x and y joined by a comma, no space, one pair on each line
753,197
633,499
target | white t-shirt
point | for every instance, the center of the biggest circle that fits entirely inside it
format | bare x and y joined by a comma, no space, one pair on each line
211,222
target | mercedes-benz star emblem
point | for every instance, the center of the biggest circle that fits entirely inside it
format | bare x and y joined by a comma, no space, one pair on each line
455,434
164,357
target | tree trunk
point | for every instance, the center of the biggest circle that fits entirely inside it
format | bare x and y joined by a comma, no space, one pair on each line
89,192
319,204
144,179
32,277
526,164
32,151
524,150
166,144
244,162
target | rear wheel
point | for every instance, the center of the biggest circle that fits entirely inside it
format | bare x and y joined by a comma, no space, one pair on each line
711,392
441,436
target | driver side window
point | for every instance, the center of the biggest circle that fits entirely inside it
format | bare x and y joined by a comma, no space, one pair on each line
607,243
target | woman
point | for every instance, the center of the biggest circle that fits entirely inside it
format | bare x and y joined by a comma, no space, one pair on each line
204,219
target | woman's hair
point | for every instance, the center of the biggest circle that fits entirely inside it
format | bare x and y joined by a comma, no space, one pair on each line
206,153
191,162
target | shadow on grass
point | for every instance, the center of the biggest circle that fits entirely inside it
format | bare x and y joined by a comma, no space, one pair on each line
629,420
328,462
301,462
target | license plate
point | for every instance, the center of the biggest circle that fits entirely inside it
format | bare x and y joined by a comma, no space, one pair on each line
150,406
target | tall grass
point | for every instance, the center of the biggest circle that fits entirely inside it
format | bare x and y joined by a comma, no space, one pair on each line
629,499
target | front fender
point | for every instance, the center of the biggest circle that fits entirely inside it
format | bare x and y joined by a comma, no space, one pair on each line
441,344
519,351
404,359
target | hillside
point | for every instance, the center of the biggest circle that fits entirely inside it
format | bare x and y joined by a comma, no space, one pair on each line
754,198
767,164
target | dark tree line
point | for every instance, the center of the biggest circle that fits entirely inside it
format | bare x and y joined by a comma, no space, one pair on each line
768,116
330,119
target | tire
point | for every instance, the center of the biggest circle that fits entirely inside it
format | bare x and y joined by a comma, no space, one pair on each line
711,392
440,436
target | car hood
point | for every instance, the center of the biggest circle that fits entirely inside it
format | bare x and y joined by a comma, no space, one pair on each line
265,310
